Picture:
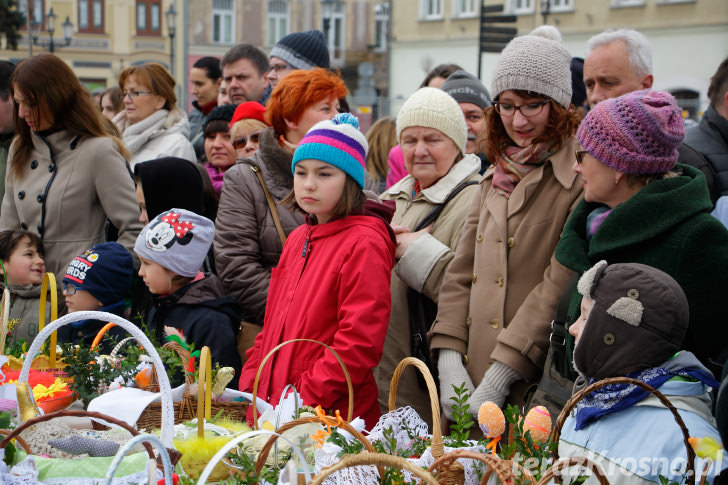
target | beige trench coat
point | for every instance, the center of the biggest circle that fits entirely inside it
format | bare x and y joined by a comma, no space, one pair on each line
78,182
422,267
502,288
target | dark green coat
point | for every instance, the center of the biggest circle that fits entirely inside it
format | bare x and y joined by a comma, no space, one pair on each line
666,225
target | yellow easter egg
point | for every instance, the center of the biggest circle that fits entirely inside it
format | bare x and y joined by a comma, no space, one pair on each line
491,420
538,422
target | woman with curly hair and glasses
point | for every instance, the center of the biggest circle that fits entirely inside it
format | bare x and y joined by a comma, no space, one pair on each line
503,285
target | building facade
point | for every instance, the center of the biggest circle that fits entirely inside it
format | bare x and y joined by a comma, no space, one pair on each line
689,38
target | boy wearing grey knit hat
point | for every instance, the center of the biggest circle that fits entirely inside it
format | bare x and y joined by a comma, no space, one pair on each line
298,50
187,302
473,98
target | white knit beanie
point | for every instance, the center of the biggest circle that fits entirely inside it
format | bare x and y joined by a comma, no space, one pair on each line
536,62
434,108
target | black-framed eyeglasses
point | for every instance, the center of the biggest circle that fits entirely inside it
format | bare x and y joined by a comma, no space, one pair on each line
579,154
135,94
69,288
527,110
242,141
281,67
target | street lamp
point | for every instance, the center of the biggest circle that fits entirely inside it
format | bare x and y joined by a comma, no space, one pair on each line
171,16
51,17
327,11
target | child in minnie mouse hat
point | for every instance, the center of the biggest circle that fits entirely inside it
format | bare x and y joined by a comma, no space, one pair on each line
187,302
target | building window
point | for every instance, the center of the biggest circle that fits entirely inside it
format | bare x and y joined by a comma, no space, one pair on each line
627,3
277,20
91,16
689,102
148,17
336,35
381,26
519,7
38,9
431,9
465,8
223,13
556,6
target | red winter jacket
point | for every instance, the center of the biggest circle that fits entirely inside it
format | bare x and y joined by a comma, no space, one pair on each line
331,285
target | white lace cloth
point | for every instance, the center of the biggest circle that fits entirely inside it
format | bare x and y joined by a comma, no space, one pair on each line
405,424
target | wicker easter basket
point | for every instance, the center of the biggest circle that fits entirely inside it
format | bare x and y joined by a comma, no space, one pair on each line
571,404
184,410
378,459
167,421
504,470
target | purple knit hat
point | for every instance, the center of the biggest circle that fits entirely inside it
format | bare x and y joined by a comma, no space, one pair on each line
636,133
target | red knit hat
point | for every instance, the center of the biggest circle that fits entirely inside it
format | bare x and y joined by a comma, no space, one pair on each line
248,110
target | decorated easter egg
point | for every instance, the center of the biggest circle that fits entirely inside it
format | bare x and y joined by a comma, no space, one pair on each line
538,422
491,420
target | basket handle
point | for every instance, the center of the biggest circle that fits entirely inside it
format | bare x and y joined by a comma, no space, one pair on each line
70,412
100,335
49,279
557,467
18,439
5,318
242,437
572,402
437,447
204,391
350,412
326,420
148,440
504,469
165,388
379,459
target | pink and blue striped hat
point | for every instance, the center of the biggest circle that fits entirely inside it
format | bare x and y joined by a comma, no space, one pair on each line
337,142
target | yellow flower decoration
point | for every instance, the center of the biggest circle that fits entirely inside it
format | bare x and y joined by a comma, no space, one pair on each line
40,391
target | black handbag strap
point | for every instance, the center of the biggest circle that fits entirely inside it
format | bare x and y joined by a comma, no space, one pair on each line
435,212
557,339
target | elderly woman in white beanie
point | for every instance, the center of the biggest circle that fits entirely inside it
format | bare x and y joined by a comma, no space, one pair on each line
503,286
431,205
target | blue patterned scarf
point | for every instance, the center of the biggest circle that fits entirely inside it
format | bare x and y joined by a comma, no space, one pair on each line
617,397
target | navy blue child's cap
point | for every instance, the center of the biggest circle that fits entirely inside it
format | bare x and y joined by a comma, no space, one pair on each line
105,270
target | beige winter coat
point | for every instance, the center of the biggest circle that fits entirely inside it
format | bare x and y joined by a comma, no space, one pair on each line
68,189
422,268
500,293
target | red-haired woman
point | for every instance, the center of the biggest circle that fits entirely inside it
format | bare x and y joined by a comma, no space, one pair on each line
66,174
151,124
247,244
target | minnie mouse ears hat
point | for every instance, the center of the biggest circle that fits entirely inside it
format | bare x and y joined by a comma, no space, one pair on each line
178,240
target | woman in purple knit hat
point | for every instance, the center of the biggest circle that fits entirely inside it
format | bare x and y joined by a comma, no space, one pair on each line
641,207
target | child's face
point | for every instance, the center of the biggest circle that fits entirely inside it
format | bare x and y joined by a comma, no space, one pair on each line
577,327
156,277
25,266
143,217
78,300
318,187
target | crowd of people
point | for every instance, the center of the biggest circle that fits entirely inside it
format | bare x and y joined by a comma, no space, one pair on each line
451,232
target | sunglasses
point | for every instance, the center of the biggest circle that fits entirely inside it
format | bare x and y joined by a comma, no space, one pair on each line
241,142
579,154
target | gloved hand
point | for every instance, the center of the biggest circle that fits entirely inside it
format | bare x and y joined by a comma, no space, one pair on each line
495,387
452,373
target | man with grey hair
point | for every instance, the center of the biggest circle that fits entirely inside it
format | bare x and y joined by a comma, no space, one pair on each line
618,62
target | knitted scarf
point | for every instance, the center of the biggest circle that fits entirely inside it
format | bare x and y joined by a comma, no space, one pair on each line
514,163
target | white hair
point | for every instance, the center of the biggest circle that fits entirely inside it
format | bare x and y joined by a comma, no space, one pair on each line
639,53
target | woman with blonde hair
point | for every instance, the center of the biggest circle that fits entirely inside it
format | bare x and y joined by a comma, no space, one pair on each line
382,136
245,127
67,175
151,124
